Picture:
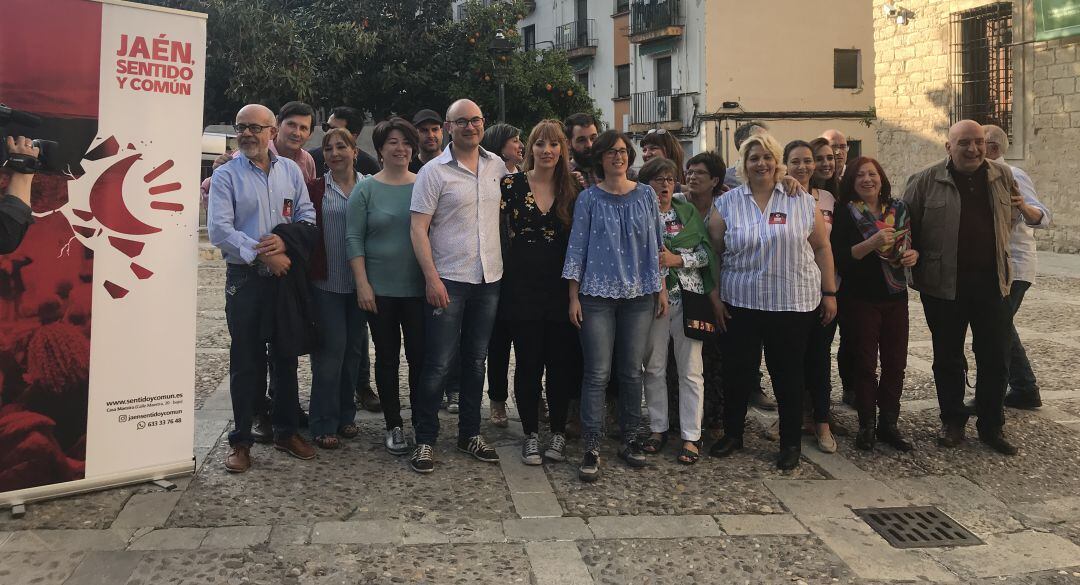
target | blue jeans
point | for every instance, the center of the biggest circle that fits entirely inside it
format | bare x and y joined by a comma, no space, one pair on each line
622,326
247,295
335,365
462,329
1021,377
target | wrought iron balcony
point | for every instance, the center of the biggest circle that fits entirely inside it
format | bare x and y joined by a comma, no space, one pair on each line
670,110
577,38
655,20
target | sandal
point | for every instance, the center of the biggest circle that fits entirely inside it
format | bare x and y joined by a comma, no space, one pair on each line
653,444
688,457
327,442
349,431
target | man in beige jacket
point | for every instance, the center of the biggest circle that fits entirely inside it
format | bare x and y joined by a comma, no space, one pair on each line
962,211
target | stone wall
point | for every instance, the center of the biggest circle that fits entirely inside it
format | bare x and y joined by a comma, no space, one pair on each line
913,97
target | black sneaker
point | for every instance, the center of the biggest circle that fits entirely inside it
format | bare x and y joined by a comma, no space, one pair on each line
422,460
477,447
530,450
632,454
590,467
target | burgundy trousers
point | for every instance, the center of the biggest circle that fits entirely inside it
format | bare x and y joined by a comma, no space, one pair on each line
876,328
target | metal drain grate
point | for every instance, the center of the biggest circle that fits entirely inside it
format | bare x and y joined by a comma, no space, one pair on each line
917,527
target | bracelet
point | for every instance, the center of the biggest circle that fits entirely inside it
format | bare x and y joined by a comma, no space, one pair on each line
826,293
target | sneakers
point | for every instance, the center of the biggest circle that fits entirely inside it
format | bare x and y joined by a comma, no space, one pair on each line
631,453
530,450
395,442
452,404
498,414
556,448
478,448
423,459
590,467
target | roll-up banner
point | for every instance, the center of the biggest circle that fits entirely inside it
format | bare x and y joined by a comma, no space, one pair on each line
97,304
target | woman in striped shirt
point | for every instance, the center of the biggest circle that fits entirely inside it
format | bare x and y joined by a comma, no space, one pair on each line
776,273
335,365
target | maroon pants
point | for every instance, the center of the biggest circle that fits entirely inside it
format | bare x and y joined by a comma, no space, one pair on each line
873,327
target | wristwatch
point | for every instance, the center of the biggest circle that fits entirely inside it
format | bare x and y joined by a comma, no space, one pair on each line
826,293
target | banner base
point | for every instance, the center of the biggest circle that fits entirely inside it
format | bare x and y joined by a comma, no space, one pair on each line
82,486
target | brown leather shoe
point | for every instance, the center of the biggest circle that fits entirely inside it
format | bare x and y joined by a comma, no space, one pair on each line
368,400
951,436
296,446
239,459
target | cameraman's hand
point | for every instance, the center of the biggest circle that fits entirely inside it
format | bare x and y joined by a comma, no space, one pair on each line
22,145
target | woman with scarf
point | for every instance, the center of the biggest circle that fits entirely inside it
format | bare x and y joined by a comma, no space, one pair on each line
690,260
871,245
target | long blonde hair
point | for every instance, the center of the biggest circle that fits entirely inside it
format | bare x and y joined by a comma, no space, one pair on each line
566,187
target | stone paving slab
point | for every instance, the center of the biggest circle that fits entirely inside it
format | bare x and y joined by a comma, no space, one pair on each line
227,537
728,486
38,568
965,502
1010,554
726,560
546,529
537,505
150,509
170,539
67,540
868,554
105,568
1057,510
460,532
557,563
360,481
833,499
760,525
358,532
616,527
284,535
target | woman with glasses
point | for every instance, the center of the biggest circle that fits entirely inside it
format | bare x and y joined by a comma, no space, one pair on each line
335,365
872,246
389,283
689,258
776,278
505,141
799,158
616,290
663,144
537,210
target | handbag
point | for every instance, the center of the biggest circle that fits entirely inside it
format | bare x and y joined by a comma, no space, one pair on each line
699,320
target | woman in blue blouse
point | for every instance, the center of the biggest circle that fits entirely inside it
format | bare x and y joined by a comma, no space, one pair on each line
616,290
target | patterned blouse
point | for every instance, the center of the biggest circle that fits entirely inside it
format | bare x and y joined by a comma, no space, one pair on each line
614,249
693,259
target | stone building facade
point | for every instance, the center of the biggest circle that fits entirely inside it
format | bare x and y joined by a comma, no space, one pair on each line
924,67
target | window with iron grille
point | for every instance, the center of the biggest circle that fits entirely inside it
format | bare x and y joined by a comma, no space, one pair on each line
982,75
622,81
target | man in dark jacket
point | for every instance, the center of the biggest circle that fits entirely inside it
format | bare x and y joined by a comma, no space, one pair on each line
352,120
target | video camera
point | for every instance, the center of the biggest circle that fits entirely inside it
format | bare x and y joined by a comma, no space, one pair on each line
46,161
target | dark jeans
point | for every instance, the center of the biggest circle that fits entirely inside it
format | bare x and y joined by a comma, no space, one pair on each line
464,329
247,295
990,317
1021,377
397,316
873,327
783,336
540,346
498,362
613,330
818,368
335,365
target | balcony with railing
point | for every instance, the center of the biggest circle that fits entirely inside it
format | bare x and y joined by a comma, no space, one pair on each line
655,20
667,109
577,38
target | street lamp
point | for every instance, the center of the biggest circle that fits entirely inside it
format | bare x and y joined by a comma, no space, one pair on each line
501,47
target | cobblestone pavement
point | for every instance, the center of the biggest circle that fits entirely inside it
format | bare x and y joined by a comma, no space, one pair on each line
359,515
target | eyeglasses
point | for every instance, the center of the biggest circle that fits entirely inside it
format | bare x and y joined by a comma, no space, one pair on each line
657,131
614,152
697,173
255,128
668,180
474,122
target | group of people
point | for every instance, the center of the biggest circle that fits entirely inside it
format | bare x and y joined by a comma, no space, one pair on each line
597,274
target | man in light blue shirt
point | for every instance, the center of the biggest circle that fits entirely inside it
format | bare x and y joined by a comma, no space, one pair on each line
249,196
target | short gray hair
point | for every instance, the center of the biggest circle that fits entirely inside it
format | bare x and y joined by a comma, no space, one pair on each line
996,134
